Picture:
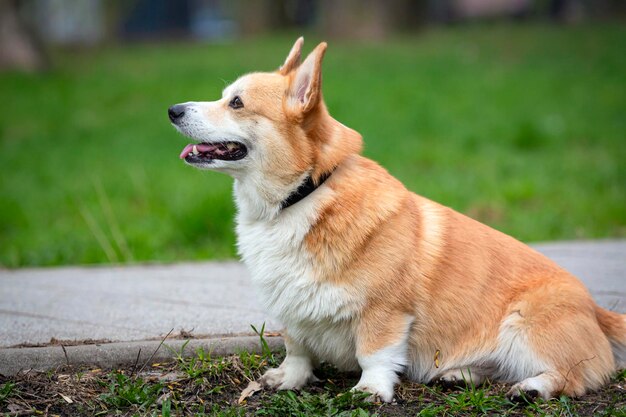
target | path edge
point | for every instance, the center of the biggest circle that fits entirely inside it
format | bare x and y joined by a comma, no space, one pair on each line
116,354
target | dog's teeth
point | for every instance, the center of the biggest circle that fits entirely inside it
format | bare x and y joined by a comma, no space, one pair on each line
195,150
231,146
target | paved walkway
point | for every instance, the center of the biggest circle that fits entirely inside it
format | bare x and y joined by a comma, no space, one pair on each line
145,302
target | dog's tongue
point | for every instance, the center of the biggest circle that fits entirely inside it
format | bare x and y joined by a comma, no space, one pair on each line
201,147
186,151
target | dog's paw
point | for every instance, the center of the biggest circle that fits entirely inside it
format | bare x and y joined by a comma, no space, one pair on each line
379,394
451,383
272,378
286,378
459,378
528,390
522,395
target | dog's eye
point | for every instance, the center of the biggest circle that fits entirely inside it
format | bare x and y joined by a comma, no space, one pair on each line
236,103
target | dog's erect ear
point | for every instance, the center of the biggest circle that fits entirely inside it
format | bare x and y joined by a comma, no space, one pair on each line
305,89
293,59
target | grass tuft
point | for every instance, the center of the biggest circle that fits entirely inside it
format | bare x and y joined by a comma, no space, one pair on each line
265,348
288,403
6,391
124,392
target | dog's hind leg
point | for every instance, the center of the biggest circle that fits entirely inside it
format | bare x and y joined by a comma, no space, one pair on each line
550,343
544,385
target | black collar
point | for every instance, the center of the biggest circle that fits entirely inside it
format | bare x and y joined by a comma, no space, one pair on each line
306,188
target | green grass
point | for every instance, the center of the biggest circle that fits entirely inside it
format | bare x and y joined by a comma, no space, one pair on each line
288,403
125,391
6,390
521,127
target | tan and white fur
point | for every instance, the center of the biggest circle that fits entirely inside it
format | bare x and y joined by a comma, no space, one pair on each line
367,275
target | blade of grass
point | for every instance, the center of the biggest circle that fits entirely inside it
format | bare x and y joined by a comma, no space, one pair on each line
113,224
100,236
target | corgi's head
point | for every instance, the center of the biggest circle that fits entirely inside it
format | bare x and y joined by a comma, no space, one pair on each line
272,128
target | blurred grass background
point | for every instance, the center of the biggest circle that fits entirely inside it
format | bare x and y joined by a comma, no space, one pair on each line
521,127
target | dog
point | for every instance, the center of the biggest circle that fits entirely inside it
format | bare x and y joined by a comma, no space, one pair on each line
369,276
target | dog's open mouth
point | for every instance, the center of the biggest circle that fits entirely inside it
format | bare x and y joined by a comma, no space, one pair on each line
204,152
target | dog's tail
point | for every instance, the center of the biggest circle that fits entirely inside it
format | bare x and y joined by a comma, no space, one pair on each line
614,327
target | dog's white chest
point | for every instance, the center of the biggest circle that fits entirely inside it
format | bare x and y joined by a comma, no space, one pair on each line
278,266
284,272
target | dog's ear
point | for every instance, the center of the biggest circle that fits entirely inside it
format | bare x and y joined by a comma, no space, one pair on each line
293,59
305,88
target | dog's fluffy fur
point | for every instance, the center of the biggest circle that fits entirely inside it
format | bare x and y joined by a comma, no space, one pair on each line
367,275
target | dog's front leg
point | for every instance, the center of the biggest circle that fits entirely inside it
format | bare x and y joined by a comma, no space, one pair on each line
382,353
295,371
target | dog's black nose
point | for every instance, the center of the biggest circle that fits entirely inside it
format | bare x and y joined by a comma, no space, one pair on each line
176,112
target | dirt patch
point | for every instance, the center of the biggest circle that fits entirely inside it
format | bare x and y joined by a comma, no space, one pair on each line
62,342
182,334
202,385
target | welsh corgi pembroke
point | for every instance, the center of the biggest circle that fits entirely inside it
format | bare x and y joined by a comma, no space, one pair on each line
369,276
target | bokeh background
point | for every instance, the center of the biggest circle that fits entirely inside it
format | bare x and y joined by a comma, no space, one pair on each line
511,111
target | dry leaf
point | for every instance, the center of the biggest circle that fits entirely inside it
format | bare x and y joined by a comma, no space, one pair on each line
66,398
249,391
437,358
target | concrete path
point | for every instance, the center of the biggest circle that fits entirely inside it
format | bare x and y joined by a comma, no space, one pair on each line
126,303
145,302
